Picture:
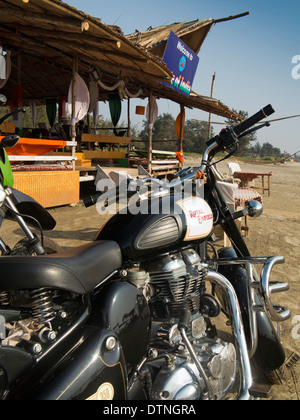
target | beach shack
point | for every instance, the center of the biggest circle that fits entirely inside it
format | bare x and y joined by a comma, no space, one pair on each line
60,57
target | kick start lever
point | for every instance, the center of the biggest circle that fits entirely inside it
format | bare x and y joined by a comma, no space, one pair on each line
183,326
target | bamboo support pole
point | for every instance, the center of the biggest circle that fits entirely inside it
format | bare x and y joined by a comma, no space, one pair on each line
211,95
73,127
182,122
150,134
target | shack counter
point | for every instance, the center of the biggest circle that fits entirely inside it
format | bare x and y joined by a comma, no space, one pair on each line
50,180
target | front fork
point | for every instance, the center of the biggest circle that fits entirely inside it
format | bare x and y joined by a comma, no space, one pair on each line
6,196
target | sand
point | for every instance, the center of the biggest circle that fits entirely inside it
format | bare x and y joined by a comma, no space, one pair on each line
276,232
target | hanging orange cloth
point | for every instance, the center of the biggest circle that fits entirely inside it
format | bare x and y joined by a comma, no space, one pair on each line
179,128
34,147
180,121
179,157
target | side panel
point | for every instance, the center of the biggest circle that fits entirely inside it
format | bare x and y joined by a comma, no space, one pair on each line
82,368
125,311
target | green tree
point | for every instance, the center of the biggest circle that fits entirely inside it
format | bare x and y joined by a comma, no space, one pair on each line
164,133
195,136
268,149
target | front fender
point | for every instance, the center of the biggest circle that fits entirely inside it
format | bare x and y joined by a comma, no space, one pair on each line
270,354
27,205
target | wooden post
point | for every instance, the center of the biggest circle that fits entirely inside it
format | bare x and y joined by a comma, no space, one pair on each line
128,126
18,94
211,95
73,127
150,134
181,131
128,119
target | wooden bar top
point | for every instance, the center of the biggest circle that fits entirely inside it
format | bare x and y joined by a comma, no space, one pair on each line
99,138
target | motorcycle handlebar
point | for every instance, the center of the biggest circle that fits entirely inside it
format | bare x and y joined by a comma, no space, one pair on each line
249,122
16,111
225,140
92,200
230,135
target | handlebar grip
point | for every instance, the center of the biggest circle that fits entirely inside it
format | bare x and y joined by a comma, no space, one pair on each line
16,111
92,200
249,122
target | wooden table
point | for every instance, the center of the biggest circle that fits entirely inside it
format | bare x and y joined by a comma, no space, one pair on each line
247,177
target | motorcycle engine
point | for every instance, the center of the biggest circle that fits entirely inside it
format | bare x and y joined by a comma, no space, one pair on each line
179,379
171,283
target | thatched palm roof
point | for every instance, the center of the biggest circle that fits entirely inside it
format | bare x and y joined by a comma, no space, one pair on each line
44,37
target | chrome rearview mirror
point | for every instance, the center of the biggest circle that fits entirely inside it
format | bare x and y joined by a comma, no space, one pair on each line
255,208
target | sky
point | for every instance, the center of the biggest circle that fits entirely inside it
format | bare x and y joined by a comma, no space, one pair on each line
256,58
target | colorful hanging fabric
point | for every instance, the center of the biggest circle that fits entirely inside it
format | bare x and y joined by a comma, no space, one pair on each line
82,99
32,105
51,110
180,121
96,75
115,107
94,96
154,112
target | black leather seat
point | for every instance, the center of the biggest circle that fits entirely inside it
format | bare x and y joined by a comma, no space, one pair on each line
77,270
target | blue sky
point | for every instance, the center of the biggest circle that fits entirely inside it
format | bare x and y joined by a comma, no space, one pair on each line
251,56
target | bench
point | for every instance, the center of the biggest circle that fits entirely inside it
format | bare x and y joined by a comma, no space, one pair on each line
104,139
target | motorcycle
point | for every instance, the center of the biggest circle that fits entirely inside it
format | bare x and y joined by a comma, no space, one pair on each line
132,315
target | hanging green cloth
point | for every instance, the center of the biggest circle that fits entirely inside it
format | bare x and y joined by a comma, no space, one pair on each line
115,108
6,171
51,111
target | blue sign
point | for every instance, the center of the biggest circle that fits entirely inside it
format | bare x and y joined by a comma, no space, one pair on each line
182,62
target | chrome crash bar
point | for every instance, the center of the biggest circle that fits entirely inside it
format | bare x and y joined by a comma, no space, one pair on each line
259,300
260,290
238,333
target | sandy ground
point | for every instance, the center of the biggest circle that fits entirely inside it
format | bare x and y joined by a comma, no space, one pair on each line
276,232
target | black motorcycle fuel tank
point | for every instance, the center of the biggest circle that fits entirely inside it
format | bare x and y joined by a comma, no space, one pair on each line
159,225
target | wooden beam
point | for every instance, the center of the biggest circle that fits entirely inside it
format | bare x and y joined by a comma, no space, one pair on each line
231,17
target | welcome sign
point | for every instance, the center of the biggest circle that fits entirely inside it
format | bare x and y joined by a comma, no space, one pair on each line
182,62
